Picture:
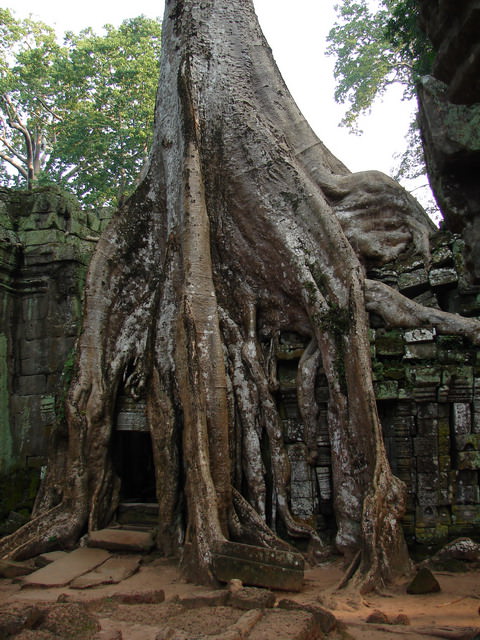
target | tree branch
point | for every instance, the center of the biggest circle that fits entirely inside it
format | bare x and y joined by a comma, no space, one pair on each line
14,164
13,151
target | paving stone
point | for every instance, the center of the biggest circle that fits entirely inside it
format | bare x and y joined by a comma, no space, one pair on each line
64,570
295,625
216,598
152,596
121,540
112,571
11,569
252,598
325,619
49,557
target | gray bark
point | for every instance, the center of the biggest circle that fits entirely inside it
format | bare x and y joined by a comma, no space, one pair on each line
244,226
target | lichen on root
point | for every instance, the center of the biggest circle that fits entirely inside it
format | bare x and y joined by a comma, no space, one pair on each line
244,226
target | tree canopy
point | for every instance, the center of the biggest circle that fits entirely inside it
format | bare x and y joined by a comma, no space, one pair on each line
376,44
78,113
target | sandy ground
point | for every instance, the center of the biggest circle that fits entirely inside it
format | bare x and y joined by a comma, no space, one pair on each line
455,606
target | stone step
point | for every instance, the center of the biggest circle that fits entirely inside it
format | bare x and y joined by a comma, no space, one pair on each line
258,566
122,539
112,571
141,513
62,571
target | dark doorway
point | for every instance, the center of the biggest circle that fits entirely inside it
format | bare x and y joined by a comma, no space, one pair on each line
133,463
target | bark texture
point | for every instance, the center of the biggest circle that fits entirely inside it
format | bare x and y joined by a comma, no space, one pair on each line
244,226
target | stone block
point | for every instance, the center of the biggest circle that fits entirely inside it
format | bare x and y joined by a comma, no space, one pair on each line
444,463
426,515
324,482
112,571
121,540
468,494
292,430
326,620
431,535
404,425
462,418
476,417
258,566
216,598
468,514
420,335
150,596
459,379
252,598
427,411
442,257
295,625
36,366
324,458
467,442
386,390
468,460
413,283
403,447
442,277
421,351
428,464
389,343
427,427
30,385
426,446
65,569
35,307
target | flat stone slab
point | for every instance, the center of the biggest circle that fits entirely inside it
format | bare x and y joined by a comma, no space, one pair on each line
60,572
295,625
112,571
258,566
121,540
11,569
49,557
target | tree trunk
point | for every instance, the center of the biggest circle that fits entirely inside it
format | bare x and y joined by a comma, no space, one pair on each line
244,226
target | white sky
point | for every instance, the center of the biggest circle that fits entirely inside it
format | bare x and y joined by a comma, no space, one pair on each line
296,32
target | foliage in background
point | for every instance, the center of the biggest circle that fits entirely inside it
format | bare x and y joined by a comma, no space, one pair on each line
80,113
376,44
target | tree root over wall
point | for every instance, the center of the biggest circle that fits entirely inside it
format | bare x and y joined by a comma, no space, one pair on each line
244,226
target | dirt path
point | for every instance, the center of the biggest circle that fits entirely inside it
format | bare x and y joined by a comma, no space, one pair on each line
455,606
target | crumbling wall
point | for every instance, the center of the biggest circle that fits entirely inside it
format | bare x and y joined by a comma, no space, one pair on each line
46,245
428,391
427,385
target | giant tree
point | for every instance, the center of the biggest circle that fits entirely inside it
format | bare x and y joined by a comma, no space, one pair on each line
244,226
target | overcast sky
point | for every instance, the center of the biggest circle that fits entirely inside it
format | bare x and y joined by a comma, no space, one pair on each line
296,32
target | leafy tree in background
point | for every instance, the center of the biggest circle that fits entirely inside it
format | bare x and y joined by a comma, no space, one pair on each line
377,44
78,114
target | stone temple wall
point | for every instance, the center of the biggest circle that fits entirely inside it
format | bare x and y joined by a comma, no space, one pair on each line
427,385
46,243
428,392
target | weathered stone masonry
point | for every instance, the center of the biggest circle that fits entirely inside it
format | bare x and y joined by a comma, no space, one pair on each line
427,385
428,391
46,242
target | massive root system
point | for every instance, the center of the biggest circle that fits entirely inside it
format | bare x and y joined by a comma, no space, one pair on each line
245,226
